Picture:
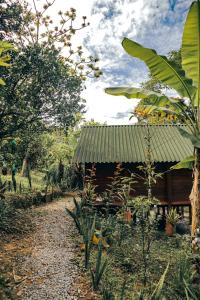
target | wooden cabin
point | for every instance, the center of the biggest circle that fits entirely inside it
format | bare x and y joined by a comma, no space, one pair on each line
107,146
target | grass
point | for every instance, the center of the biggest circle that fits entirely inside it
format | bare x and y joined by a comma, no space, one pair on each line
123,278
37,181
124,272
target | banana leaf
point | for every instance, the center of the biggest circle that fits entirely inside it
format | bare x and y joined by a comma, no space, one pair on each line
160,67
132,92
195,140
186,163
190,51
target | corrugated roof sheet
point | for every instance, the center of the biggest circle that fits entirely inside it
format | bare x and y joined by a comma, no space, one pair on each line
126,143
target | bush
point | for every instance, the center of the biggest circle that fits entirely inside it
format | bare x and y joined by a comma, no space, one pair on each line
27,200
11,219
5,290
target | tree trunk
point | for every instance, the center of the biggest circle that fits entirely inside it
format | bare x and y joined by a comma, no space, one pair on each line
195,193
61,169
26,169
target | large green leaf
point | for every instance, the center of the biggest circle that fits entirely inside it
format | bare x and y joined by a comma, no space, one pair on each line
161,105
190,51
5,46
130,93
2,82
149,99
139,93
149,109
161,68
156,295
4,59
186,163
195,140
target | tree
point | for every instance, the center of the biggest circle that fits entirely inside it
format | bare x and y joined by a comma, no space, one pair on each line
39,88
186,81
11,18
4,56
47,76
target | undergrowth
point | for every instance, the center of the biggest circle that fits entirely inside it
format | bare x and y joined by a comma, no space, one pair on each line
13,220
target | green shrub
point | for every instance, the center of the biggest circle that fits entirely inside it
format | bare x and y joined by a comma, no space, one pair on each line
5,290
88,228
99,268
11,219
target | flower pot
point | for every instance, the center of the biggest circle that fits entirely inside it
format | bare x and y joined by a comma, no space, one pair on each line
169,229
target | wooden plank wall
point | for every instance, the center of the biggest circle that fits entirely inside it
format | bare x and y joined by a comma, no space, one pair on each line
174,186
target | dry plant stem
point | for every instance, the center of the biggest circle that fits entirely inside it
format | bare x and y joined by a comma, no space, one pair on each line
149,164
195,193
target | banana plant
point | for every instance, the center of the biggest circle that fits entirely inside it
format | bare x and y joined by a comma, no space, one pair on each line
186,81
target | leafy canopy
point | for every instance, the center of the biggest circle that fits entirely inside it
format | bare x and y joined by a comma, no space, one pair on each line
44,84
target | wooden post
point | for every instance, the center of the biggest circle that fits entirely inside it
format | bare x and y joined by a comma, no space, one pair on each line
169,187
182,211
190,214
163,208
158,210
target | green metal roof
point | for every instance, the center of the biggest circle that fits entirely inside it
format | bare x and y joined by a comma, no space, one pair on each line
126,143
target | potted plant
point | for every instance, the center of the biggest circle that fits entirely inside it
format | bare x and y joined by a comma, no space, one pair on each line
171,219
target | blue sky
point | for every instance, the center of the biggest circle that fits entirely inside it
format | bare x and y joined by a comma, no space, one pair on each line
153,23
156,24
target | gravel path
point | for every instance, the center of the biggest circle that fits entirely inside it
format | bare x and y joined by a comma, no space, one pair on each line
50,269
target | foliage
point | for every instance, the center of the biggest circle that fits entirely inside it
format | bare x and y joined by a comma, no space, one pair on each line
43,101
187,163
146,225
4,57
11,18
88,232
141,256
89,195
108,295
43,84
5,290
85,224
45,152
172,217
22,183
72,178
119,187
76,215
99,270
157,293
12,220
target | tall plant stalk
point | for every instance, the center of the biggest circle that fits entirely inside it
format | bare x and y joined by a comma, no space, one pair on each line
143,205
195,193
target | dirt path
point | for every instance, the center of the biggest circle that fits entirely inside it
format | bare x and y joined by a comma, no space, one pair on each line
50,270
42,265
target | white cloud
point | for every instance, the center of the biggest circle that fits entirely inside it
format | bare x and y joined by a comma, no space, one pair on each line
103,107
152,23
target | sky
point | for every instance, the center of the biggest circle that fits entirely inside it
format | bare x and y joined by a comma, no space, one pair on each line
155,24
